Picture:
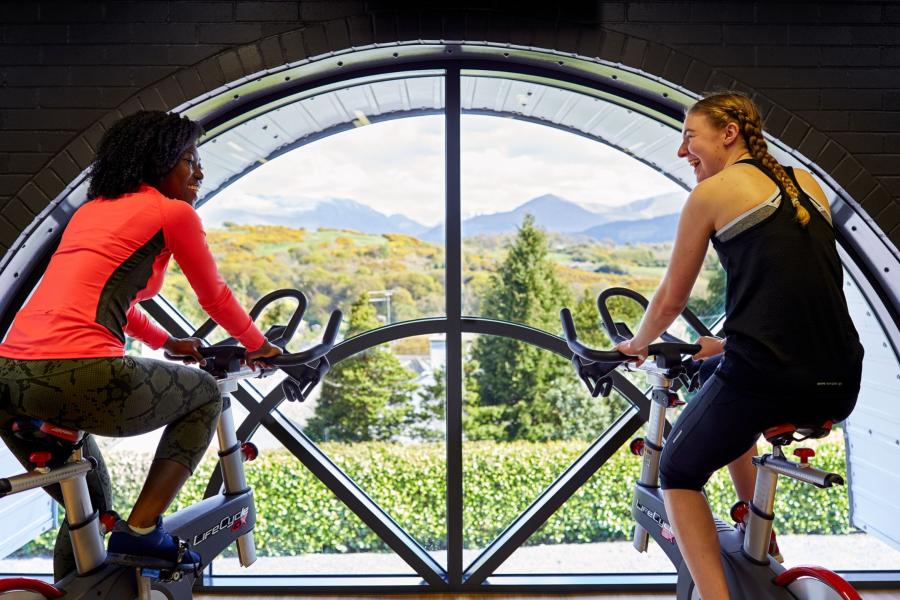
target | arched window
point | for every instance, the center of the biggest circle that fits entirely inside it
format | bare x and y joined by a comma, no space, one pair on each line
452,443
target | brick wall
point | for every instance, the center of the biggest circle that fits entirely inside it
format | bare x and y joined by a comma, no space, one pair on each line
827,75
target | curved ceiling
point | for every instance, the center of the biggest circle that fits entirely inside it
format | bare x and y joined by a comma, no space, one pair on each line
235,148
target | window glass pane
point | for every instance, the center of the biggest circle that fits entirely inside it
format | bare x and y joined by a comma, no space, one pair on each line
356,214
379,415
352,219
520,442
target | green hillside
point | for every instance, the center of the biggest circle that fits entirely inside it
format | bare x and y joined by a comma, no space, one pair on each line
333,267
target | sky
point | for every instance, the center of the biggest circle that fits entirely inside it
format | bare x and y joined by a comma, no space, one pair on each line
398,167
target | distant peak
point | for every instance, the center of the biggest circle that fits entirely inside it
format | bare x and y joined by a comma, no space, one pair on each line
547,199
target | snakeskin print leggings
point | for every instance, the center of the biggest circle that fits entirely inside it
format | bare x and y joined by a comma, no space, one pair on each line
113,397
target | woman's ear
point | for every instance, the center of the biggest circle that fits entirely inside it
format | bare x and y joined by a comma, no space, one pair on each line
732,132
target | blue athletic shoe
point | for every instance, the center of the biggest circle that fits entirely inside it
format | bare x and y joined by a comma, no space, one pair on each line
157,549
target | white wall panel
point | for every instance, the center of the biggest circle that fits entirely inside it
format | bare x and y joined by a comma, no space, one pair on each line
25,515
873,430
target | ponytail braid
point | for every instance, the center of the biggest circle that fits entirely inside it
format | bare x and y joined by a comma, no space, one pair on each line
759,150
723,108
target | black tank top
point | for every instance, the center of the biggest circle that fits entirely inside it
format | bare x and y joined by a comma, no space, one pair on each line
786,318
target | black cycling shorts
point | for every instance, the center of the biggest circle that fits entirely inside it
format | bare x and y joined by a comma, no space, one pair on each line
723,421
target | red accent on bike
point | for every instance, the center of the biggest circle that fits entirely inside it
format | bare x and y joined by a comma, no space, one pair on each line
40,459
20,584
739,512
238,523
69,435
668,534
636,446
778,430
108,520
674,400
805,454
837,583
249,450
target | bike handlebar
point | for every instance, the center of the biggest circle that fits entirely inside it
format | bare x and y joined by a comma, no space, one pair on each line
315,352
618,336
669,350
601,356
226,355
290,329
282,360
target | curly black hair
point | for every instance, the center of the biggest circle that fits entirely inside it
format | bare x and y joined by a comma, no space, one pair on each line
140,148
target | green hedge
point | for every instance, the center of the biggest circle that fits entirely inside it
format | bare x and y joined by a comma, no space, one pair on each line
298,515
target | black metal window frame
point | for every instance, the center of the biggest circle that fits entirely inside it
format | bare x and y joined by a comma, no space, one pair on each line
429,576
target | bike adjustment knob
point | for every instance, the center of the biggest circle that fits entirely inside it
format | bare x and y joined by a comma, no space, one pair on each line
739,511
804,454
637,446
249,451
40,459
108,520
674,400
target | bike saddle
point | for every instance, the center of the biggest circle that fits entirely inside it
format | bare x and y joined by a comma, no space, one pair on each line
41,435
784,434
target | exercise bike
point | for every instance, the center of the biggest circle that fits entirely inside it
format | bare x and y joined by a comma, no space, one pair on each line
751,573
207,527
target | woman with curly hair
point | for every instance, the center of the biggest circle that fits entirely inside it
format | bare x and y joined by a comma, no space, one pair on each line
63,359
790,354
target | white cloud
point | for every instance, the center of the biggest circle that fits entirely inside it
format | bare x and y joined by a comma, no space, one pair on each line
398,167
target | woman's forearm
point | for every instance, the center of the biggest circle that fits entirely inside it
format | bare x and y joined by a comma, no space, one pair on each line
659,315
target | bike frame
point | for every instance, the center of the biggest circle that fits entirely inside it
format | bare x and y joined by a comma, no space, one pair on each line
749,571
209,526
649,512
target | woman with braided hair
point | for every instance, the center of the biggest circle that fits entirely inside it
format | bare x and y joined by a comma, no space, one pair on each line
63,359
790,351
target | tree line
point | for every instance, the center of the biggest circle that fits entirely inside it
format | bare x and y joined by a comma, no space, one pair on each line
512,390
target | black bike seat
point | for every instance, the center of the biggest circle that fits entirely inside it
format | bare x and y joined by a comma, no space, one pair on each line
37,430
784,434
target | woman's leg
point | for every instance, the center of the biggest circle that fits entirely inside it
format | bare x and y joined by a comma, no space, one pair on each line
713,431
695,531
98,482
127,396
187,401
743,474
742,471
165,479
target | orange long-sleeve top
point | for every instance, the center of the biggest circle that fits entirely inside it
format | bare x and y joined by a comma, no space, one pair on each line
113,254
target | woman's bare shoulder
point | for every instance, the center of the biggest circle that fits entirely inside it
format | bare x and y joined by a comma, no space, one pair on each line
809,185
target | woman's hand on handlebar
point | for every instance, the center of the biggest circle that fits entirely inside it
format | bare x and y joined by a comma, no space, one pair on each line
258,356
185,349
710,346
640,353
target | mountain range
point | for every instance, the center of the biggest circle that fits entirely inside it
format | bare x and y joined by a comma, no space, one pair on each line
647,220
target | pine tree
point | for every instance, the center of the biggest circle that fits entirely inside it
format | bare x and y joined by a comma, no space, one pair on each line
513,376
587,322
368,396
